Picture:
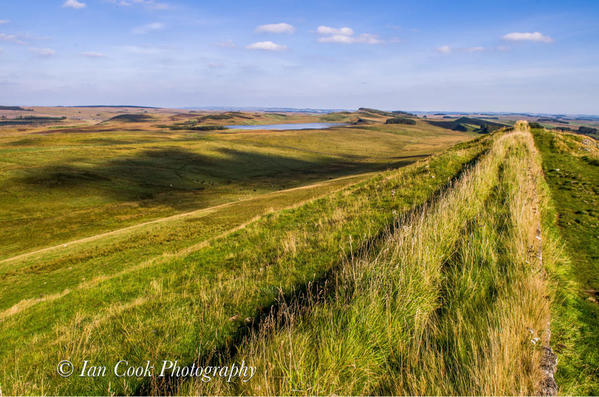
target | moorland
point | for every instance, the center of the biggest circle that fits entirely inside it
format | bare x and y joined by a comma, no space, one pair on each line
393,254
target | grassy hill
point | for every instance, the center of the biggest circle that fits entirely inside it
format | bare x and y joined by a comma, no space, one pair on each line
132,118
469,124
275,240
368,259
447,302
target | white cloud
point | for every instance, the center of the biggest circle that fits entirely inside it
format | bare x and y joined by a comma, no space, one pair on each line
528,36
276,28
93,54
3,21
444,49
46,52
151,4
150,27
344,35
266,45
11,38
367,38
327,30
475,49
74,4
337,38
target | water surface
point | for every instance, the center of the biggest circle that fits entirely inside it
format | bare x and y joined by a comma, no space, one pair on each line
299,126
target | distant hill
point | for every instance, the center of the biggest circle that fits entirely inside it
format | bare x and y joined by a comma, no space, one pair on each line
375,112
467,123
551,120
402,113
590,131
132,118
113,106
15,108
400,120
29,120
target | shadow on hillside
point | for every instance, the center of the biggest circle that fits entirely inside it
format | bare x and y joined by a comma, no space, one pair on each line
165,176
299,300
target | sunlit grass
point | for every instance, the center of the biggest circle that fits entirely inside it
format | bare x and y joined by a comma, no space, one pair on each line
448,304
190,304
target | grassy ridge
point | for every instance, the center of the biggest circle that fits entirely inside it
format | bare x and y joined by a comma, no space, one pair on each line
445,306
187,307
571,249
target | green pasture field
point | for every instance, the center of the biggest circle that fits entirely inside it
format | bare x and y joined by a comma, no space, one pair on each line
155,243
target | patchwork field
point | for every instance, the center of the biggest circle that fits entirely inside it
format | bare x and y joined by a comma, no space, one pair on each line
391,255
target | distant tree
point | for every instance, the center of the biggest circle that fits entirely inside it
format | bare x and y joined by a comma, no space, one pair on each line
484,129
587,130
400,120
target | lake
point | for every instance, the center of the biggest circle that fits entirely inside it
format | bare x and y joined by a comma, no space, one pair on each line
299,126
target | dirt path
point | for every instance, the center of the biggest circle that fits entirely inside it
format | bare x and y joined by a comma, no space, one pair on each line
173,217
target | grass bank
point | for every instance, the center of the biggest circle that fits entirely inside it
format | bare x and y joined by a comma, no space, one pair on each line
571,252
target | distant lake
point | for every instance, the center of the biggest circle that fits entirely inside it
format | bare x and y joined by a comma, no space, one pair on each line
300,126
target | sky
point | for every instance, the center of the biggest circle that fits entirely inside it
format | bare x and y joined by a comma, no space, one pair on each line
460,55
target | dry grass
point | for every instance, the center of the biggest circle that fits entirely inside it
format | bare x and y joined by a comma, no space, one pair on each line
448,304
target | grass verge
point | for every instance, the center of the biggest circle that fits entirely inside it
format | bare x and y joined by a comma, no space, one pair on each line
571,252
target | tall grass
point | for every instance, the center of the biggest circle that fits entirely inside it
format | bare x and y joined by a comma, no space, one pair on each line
187,307
448,304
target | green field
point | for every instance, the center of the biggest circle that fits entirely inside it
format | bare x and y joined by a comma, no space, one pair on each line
67,186
95,222
373,258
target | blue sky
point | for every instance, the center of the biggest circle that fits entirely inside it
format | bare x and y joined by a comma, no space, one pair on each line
527,56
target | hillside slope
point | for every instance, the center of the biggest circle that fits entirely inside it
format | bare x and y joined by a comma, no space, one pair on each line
438,278
201,300
450,301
